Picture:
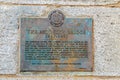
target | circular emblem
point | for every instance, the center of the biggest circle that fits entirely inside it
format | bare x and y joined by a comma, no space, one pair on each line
56,18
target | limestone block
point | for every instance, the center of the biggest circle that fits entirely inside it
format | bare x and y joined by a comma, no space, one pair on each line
62,2
106,36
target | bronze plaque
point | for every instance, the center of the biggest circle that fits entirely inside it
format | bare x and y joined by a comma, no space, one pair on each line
56,43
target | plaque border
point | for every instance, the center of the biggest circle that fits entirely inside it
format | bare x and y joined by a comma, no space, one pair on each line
30,71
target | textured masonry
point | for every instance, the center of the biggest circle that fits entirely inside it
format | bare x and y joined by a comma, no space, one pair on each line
62,2
106,33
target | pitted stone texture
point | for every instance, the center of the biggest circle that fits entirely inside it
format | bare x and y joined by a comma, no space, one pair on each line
63,2
58,78
9,35
106,37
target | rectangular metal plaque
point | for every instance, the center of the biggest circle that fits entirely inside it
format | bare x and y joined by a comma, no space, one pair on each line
44,47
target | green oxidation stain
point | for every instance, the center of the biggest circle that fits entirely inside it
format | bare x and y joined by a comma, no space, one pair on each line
42,55
40,62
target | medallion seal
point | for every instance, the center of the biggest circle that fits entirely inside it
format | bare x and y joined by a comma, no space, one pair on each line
56,18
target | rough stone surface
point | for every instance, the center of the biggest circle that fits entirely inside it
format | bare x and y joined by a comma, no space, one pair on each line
106,37
57,78
63,2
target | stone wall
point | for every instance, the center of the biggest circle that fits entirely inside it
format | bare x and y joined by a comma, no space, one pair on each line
106,16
